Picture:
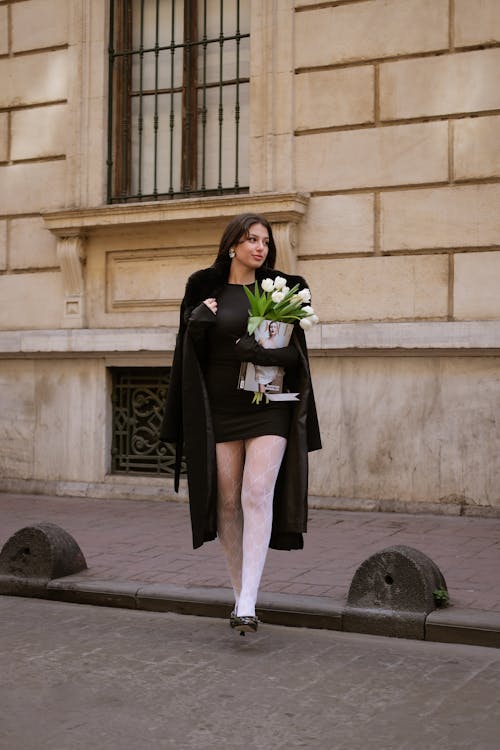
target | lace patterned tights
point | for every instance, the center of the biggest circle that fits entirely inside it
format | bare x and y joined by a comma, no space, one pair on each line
246,475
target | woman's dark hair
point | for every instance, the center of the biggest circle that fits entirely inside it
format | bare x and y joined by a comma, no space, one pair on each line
236,230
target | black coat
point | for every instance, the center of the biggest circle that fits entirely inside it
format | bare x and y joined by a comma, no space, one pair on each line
187,422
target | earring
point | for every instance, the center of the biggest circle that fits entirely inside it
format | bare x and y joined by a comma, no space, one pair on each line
232,253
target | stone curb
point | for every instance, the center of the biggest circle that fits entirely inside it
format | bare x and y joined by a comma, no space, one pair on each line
449,625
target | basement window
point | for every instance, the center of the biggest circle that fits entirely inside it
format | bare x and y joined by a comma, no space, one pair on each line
138,398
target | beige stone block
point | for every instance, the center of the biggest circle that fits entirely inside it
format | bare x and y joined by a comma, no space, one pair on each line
31,300
328,98
142,280
3,245
71,420
259,165
337,224
97,19
114,299
283,163
462,82
398,155
462,216
32,79
369,30
259,111
378,288
89,172
31,245
33,186
477,22
39,23
282,118
476,286
476,147
4,31
39,132
17,418
275,119
412,428
4,136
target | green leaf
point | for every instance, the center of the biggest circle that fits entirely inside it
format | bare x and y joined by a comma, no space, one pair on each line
254,322
252,298
262,303
289,310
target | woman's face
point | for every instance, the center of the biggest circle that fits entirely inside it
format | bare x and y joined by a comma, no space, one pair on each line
251,251
273,329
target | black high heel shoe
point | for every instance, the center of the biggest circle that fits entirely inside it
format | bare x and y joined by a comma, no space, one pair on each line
245,624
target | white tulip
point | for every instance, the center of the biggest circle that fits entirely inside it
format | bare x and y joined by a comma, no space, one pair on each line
314,318
279,282
285,289
305,295
268,285
305,323
277,296
308,309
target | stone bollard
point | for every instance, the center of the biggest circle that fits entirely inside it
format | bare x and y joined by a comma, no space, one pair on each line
35,555
392,593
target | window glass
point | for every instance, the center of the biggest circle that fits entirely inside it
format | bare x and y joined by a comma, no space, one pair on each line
179,98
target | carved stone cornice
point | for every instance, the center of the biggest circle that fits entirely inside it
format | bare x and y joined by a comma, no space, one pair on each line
276,207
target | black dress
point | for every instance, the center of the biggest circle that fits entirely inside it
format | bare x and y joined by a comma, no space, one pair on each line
233,414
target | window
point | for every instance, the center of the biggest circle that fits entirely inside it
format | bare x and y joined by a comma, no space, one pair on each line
138,398
178,98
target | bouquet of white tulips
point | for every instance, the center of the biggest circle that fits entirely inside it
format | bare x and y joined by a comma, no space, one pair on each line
271,316
279,303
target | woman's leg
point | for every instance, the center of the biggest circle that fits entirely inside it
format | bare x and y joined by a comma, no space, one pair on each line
230,457
263,457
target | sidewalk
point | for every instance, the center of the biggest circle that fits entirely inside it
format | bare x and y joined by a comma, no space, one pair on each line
150,543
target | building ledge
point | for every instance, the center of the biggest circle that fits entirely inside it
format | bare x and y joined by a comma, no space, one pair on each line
467,337
276,207
87,341
418,336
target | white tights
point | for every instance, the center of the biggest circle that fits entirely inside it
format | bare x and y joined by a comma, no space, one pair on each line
246,474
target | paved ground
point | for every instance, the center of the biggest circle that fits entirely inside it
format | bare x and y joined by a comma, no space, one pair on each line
151,542
91,678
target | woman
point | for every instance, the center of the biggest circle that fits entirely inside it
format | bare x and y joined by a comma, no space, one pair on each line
246,463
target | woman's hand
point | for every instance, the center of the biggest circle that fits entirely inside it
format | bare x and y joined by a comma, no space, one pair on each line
211,303
248,350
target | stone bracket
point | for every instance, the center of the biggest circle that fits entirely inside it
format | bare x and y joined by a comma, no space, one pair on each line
71,256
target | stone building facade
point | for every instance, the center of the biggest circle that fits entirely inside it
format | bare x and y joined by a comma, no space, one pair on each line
372,143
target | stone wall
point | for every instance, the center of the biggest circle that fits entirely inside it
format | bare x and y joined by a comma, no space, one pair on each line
35,66
397,131
374,150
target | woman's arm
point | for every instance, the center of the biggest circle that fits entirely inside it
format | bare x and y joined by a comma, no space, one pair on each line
248,350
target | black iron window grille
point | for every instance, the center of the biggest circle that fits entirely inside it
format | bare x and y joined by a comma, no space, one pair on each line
178,98
138,398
